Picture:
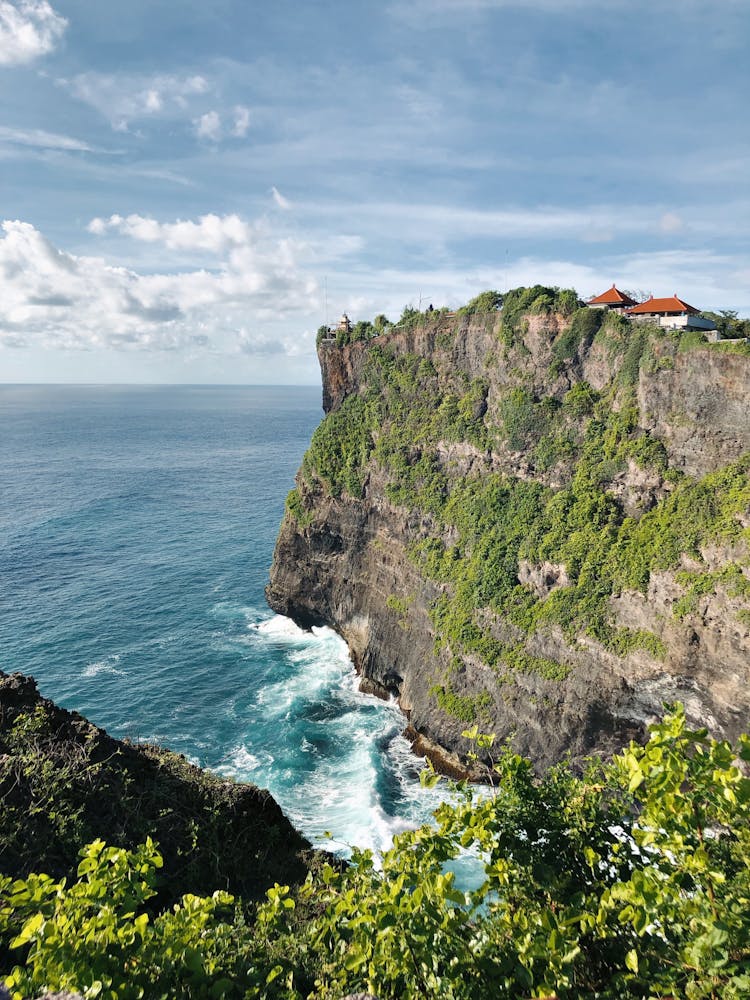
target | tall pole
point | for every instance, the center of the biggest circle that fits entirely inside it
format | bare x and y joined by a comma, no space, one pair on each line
325,296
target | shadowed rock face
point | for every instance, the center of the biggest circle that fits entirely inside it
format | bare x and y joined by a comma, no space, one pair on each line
699,408
64,783
342,563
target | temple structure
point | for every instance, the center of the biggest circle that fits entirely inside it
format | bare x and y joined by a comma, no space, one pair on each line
671,313
612,299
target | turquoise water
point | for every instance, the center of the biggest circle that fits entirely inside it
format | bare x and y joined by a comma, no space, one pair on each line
137,526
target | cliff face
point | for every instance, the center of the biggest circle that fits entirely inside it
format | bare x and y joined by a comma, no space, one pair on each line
535,525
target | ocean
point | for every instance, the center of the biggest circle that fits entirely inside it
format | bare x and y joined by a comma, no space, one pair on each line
137,526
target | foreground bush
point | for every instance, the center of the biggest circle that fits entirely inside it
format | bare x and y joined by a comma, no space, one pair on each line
632,880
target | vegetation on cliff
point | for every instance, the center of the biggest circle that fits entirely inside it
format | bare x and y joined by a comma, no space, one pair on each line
628,881
551,463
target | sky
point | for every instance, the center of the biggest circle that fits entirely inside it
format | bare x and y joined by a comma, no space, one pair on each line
190,189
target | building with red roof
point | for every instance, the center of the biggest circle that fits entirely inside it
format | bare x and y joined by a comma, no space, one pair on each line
671,313
612,299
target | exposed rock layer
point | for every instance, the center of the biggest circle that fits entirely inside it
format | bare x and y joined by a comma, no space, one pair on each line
341,566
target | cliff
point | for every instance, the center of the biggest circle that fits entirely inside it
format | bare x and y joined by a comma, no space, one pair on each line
535,521
64,783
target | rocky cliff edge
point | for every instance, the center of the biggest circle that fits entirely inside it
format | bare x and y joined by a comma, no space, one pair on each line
535,522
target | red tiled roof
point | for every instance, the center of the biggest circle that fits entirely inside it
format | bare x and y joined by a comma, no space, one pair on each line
669,305
612,297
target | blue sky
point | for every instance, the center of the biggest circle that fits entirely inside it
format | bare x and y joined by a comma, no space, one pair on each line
187,187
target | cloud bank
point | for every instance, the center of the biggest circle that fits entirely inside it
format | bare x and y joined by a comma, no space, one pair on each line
28,29
55,299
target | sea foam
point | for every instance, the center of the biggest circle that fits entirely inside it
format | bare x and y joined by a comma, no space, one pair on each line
334,758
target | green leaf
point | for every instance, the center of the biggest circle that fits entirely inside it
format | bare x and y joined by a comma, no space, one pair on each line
354,959
274,974
636,780
428,778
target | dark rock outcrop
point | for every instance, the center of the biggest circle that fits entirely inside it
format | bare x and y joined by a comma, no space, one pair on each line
64,782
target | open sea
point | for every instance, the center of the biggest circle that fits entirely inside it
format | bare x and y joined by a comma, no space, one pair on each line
137,526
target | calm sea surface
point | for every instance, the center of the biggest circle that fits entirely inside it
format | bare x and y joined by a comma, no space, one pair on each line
137,527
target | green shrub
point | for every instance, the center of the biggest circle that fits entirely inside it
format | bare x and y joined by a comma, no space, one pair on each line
583,327
627,881
340,447
465,708
485,302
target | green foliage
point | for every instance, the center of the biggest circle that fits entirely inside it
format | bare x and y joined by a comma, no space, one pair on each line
625,640
627,882
636,348
363,330
409,318
727,347
485,302
607,886
100,937
697,585
579,400
524,419
465,708
538,299
693,513
552,448
340,448
582,329
400,606
295,508
516,658
728,323
497,521
567,302
690,339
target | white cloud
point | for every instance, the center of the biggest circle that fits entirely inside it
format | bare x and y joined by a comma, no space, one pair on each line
280,200
670,222
28,29
241,121
43,140
153,101
51,298
123,98
208,126
217,234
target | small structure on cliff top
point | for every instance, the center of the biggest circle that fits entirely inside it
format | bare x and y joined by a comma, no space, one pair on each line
612,299
670,313
345,324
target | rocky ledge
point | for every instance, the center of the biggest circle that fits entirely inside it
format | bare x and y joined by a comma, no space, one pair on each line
64,783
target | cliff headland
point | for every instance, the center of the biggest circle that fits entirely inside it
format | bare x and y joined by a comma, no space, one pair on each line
534,519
